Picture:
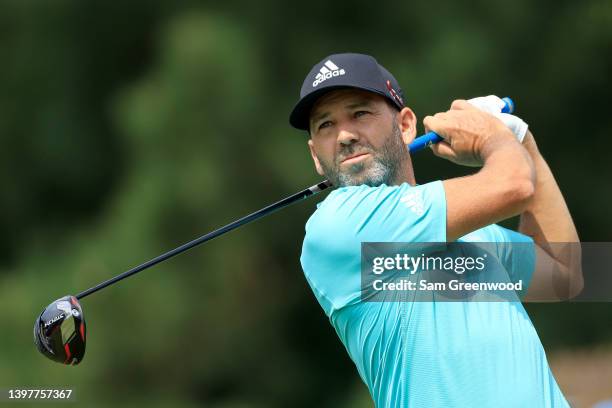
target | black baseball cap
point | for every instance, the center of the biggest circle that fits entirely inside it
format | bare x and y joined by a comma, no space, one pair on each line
339,71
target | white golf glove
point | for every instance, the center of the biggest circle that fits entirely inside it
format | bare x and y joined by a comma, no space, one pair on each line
494,105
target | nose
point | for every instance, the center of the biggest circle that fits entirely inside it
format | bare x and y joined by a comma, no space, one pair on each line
347,137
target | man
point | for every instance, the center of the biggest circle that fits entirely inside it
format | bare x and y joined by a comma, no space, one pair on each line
414,354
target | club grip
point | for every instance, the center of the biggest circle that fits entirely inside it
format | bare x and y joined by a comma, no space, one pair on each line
432,137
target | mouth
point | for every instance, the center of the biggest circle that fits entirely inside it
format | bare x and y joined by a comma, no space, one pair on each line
355,158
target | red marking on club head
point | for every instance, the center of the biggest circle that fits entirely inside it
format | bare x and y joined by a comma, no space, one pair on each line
82,330
68,354
74,301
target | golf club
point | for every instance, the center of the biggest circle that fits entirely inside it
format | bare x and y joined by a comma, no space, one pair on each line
59,331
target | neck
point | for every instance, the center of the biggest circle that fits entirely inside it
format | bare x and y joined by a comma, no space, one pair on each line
406,173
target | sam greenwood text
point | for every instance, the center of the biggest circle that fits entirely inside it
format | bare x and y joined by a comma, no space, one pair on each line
453,285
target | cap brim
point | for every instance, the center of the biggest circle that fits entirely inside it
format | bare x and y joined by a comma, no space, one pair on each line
300,115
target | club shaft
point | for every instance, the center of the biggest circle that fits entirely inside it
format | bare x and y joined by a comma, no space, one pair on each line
204,238
418,144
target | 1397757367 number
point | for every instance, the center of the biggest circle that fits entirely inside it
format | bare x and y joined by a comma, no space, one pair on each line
58,394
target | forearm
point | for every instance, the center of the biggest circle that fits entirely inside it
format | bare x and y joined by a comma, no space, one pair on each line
547,218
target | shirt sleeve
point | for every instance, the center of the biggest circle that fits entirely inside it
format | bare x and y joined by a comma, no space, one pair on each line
386,214
517,253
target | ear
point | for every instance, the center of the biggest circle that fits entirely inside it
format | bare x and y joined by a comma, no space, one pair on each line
408,125
315,159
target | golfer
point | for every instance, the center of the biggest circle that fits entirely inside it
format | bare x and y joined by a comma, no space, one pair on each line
431,354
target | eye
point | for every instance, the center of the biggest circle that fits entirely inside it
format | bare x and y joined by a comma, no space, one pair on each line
325,124
361,113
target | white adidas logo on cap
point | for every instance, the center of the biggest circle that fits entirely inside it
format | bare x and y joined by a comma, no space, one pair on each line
328,70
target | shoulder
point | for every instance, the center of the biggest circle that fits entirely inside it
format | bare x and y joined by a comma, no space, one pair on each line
379,213
350,200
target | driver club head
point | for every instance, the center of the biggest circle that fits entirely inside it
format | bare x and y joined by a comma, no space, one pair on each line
59,331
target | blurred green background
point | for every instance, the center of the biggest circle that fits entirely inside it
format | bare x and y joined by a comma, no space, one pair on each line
128,128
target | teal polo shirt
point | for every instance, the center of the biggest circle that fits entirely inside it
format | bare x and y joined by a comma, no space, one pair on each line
424,354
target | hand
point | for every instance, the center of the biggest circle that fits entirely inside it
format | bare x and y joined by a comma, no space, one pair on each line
469,133
494,105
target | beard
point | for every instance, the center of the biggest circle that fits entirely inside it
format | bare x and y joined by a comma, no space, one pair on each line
383,168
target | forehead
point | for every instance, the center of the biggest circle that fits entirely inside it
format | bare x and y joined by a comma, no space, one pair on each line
343,98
